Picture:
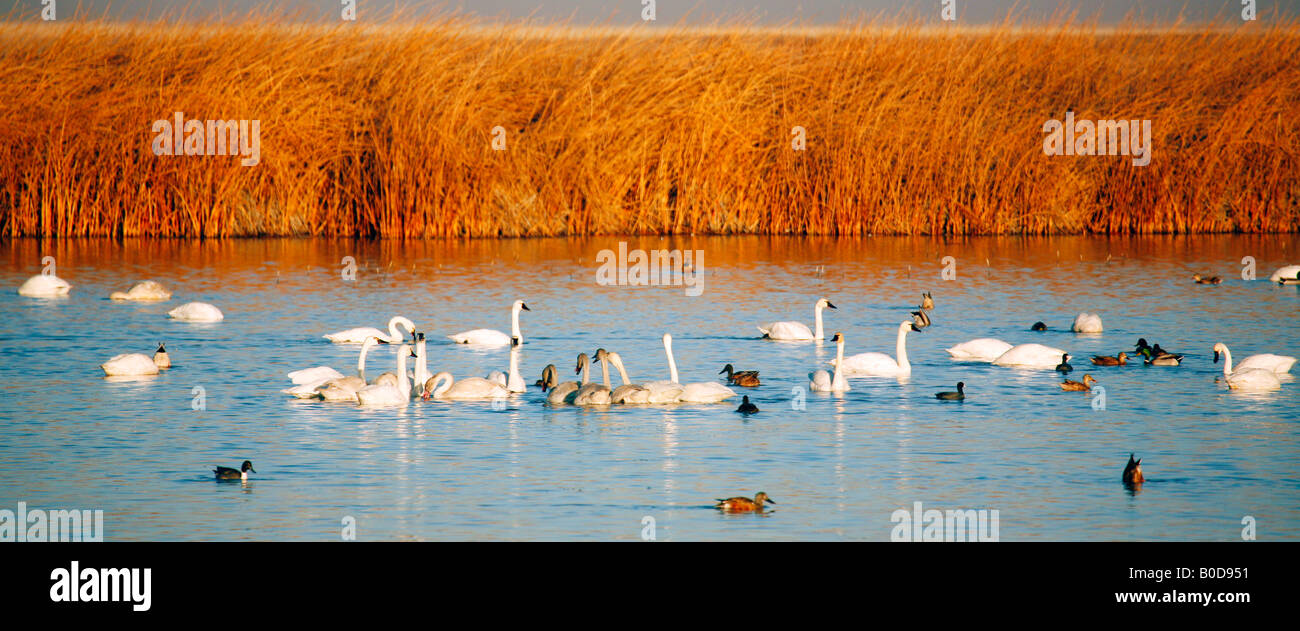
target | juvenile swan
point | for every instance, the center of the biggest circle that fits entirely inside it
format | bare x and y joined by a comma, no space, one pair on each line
492,337
797,330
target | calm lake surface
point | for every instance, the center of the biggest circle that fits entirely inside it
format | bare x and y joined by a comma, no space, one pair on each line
1045,459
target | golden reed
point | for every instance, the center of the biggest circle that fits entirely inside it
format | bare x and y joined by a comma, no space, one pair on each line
387,130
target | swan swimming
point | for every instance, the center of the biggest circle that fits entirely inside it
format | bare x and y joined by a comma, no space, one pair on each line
361,333
666,391
386,394
984,349
1278,364
628,392
698,392
196,312
147,291
1031,356
797,330
823,381
1086,323
444,386
136,364
559,392
1245,378
493,337
592,393
329,384
880,364
44,286
1289,272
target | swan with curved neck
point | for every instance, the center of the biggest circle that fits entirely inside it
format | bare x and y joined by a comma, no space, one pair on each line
493,337
329,384
880,364
444,386
1264,361
698,392
592,393
1245,377
387,394
790,330
628,392
823,381
559,392
360,334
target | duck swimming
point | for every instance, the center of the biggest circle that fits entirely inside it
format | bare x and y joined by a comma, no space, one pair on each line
1156,358
927,302
1038,326
959,395
1064,367
1133,471
1079,386
746,407
1213,280
744,504
226,473
746,378
1118,360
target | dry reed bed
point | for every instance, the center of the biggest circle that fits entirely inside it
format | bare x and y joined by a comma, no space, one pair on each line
386,131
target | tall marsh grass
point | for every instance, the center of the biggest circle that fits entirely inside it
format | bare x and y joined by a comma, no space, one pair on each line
385,130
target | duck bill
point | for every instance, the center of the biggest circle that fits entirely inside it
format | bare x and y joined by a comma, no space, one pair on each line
769,500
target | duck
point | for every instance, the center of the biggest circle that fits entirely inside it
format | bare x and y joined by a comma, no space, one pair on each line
1213,280
161,358
1155,358
927,302
746,407
880,364
1079,386
1087,323
1064,367
1038,326
1141,344
196,312
982,349
744,504
492,337
745,378
1286,273
959,395
1031,356
1103,360
226,473
44,286
1133,471
789,330
920,319
823,381
146,291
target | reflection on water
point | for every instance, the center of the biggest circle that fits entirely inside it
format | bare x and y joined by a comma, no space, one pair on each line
435,470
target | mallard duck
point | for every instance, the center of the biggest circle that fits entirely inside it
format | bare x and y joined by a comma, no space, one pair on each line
746,407
1064,367
927,302
1102,360
226,473
744,504
1141,344
1213,280
920,320
746,378
1079,386
1133,471
959,395
1151,358
1038,326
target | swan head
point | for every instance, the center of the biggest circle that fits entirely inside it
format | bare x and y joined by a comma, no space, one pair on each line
519,306
910,324
837,337
583,360
410,326
548,380
431,386
601,354
514,341
823,303
1219,348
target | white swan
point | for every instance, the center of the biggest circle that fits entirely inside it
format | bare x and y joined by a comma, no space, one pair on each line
628,392
698,392
147,291
44,286
359,334
1086,323
444,386
797,330
823,381
1289,272
387,394
1265,362
880,364
329,384
493,337
196,312
136,364
1031,356
983,349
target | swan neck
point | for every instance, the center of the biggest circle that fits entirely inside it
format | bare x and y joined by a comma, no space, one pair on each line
514,324
817,319
361,359
585,362
421,367
604,371
442,383
901,348
403,383
672,363
1227,361
622,372
839,362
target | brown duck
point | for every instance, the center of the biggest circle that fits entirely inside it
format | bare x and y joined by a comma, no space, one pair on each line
746,378
744,504
1079,386
1133,471
1102,360
1213,280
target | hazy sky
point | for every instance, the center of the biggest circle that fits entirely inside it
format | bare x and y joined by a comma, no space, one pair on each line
672,11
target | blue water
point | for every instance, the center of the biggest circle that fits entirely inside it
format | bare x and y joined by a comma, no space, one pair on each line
1045,459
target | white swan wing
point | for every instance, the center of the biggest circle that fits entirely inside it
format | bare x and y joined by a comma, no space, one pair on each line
787,331
1289,271
42,286
663,391
1253,379
1087,323
356,336
983,349
1267,361
380,395
706,392
144,291
314,375
1031,355
128,364
482,337
869,364
197,312
475,388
